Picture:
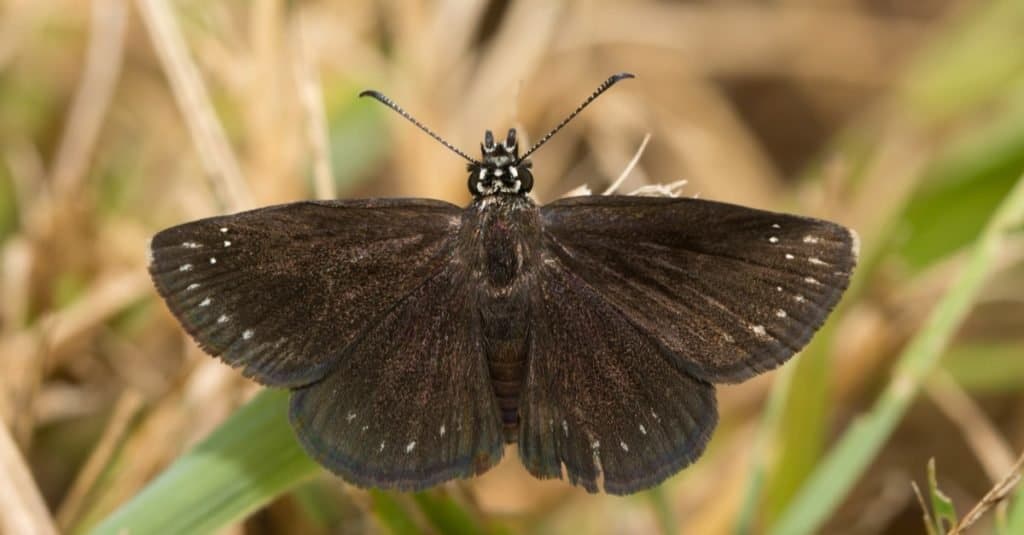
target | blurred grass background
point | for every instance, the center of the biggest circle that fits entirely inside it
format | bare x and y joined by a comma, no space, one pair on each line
903,120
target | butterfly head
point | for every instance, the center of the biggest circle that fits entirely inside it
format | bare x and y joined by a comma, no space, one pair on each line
500,169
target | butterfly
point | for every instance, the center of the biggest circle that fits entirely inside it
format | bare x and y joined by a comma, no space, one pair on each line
419,338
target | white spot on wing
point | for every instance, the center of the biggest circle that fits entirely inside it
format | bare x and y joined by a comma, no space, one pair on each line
192,286
758,330
227,243
817,261
351,416
811,280
643,430
206,302
773,239
381,447
775,225
595,444
565,427
191,245
624,446
213,260
442,430
811,239
223,319
410,447
223,229
780,313
799,298
778,288
247,334
185,267
789,256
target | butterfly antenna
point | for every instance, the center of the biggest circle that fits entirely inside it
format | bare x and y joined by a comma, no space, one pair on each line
377,95
607,84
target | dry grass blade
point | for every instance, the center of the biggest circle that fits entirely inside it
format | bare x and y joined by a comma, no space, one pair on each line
629,166
22,509
125,410
92,99
996,495
208,134
308,81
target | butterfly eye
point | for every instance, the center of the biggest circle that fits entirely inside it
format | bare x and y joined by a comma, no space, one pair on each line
488,141
510,140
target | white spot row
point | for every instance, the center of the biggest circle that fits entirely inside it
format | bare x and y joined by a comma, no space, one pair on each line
758,330
410,447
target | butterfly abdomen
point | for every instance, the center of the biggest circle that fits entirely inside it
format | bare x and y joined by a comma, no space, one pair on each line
504,257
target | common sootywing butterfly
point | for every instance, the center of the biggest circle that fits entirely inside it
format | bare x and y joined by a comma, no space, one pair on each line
418,338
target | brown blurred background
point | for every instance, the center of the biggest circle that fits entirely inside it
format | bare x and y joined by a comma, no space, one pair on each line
119,118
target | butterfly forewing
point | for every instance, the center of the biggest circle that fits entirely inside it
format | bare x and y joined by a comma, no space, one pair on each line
729,291
410,404
283,291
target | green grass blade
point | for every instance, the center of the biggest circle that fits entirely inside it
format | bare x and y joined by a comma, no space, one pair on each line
392,515
250,459
841,468
766,435
446,515
942,507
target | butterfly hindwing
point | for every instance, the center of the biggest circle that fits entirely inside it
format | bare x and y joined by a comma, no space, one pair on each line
411,403
282,291
729,291
603,398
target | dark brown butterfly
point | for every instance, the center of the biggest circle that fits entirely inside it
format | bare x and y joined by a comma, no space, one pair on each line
418,338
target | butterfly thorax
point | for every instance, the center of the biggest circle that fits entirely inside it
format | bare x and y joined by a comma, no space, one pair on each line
504,255
500,171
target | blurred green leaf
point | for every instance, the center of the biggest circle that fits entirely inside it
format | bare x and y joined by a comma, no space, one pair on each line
978,61
250,459
357,134
1015,519
390,511
446,515
959,191
987,367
